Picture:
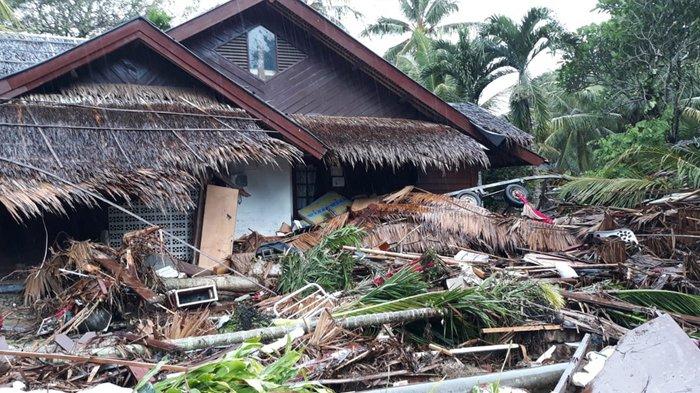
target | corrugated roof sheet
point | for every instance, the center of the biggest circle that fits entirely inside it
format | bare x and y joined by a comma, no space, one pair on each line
19,51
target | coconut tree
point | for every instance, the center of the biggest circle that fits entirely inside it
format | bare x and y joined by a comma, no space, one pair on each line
469,64
420,18
423,56
516,45
334,10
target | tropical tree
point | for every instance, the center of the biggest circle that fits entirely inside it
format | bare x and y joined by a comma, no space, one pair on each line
78,18
577,121
516,45
334,10
648,53
421,18
414,64
469,65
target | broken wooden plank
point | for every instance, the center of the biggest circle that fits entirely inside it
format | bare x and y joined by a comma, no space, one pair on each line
91,359
523,328
218,226
124,277
573,366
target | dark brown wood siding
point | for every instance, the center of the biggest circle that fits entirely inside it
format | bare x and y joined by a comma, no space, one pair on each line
134,64
322,83
442,182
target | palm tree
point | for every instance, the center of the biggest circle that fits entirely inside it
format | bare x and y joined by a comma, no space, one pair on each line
581,119
422,18
413,64
469,64
334,10
517,44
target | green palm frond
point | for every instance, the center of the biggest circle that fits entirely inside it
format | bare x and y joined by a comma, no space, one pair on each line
675,302
609,192
6,13
386,26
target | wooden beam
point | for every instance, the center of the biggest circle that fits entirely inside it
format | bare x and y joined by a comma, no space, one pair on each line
573,366
517,329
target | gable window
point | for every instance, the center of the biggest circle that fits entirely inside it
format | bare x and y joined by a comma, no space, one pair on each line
262,53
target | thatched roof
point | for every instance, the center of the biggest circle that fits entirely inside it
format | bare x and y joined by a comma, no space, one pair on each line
122,141
377,142
23,50
490,124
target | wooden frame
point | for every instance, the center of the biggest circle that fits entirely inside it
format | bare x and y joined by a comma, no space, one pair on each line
143,31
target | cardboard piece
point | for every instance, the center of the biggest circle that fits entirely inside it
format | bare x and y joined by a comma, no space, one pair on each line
218,225
326,207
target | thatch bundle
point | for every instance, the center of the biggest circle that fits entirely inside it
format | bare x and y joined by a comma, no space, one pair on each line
422,221
122,141
379,142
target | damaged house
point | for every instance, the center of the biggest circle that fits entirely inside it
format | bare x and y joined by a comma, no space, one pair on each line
230,122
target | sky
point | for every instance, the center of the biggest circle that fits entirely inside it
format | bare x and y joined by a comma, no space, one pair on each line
572,14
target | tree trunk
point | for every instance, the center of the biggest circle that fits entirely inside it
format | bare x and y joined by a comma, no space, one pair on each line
225,339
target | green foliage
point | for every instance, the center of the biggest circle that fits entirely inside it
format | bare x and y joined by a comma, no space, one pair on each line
334,10
467,310
646,54
159,17
325,264
608,192
469,66
670,301
7,16
611,149
77,18
404,283
422,18
516,45
239,371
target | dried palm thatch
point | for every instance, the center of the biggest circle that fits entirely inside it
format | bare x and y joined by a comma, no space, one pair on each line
447,224
379,142
122,141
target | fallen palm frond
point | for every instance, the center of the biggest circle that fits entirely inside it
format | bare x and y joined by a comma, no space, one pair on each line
402,284
675,302
325,264
239,371
183,324
467,310
447,224
609,192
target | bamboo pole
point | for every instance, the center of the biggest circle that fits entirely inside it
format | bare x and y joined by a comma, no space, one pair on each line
90,359
224,339
222,283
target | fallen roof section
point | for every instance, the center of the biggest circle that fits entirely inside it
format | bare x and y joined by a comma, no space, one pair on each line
143,31
377,142
122,141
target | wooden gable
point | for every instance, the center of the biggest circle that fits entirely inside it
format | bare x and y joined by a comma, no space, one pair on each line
311,78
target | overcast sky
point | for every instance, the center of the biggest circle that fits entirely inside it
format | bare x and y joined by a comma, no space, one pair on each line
572,14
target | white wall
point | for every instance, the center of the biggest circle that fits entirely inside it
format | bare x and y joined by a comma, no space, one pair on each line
270,200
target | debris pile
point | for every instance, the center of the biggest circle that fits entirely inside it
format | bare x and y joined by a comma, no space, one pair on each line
381,292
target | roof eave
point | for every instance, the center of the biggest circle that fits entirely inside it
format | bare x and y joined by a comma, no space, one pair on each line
141,30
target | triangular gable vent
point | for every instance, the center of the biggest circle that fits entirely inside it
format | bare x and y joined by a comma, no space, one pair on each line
236,51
